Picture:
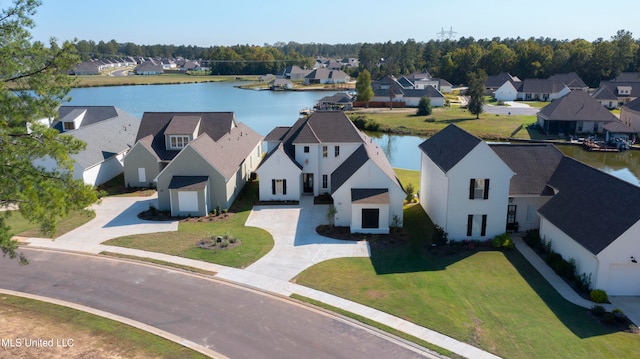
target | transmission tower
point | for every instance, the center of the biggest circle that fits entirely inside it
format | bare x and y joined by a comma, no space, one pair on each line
446,35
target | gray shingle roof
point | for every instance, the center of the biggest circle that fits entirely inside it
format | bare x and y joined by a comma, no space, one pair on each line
370,195
533,164
592,207
105,137
448,146
628,77
571,79
604,93
541,86
227,154
277,134
214,124
182,125
92,115
576,106
614,85
495,81
188,183
633,105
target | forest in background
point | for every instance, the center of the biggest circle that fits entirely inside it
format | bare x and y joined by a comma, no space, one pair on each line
449,59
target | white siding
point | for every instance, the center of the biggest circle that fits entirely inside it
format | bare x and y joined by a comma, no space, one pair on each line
527,211
279,166
506,92
618,275
434,187
586,262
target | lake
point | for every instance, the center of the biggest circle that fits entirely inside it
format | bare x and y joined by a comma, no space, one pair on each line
264,110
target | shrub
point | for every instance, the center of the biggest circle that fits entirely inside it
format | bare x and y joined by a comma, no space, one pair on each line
619,315
608,318
502,241
532,238
599,296
584,281
598,310
439,236
551,258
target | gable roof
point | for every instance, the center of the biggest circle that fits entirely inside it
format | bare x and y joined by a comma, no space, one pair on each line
628,77
540,86
277,134
633,105
448,146
324,127
227,154
214,124
495,81
592,207
104,137
93,114
614,86
604,93
576,106
533,164
571,79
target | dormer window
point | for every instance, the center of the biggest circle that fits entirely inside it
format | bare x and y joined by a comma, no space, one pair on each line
68,126
177,142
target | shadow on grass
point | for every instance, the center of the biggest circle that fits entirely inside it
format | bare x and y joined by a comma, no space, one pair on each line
457,120
575,318
415,254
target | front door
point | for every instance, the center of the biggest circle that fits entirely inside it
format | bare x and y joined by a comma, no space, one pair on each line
511,218
307,182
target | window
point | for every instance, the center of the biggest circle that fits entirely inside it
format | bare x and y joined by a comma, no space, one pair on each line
142,175
325,181
68,126
279,186
178,142
476,225
479,188
306,149
336,151
370,218
325,151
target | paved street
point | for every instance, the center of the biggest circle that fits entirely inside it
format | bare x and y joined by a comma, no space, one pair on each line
231,320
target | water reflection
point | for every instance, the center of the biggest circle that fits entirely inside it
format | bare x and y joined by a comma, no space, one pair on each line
624,165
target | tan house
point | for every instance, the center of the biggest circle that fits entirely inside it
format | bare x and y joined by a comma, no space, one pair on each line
197,161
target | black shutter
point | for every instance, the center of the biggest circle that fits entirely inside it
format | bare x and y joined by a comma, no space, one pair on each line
483,232
486,188
284,186
273,186
472,185
469,224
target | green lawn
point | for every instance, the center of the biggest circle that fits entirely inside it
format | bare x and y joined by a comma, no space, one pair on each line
491,299
408,176
256,242
21,227
489,126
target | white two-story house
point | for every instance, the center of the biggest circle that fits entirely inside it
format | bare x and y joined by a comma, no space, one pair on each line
326,154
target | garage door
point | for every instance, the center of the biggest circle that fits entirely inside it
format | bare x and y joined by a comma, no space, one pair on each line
188,201
624,279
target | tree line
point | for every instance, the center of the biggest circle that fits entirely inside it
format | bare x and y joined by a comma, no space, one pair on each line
449,59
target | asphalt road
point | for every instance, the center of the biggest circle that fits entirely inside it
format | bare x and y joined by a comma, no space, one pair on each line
233,321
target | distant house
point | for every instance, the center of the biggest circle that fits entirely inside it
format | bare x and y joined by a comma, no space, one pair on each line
294,73
606,97
336,102
571,80
198,160
87,68
326,76
624,91
474,191
531,90
280,84
402,90
494,82
149,68
630,115
326,153
108,132
576,112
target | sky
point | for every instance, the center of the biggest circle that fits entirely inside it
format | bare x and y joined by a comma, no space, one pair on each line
258,22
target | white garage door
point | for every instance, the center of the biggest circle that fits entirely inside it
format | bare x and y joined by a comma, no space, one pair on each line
624,279
188,201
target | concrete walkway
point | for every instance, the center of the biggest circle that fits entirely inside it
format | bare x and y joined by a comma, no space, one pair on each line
629,305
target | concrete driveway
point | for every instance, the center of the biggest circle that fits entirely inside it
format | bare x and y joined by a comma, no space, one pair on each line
297,245
115,217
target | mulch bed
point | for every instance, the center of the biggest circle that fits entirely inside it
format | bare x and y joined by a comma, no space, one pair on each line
150,215
218,243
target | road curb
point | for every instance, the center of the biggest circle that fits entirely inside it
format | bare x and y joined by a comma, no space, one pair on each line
132,323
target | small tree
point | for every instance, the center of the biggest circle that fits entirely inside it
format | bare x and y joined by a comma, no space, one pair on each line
363,87
424,106
476,92
331,214
409,190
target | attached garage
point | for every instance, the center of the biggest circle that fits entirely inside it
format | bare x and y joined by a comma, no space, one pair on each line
189,195
624,279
